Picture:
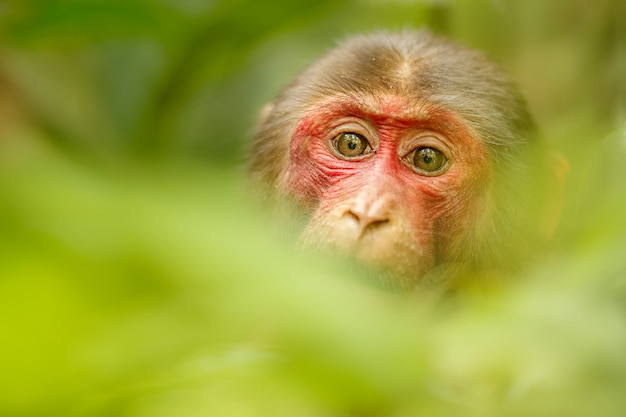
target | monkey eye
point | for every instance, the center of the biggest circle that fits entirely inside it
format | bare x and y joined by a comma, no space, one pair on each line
429,160
351,145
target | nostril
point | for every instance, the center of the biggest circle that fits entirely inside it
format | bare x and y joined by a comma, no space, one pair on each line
377,222
354,216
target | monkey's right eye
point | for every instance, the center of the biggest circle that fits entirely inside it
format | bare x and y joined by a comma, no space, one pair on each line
351,145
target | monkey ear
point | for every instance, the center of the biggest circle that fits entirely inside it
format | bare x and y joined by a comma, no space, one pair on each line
265,112
551,214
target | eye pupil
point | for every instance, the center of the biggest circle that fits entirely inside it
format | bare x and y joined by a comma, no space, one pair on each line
352,145
428,159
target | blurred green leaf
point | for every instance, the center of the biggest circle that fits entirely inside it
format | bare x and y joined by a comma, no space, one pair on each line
136,278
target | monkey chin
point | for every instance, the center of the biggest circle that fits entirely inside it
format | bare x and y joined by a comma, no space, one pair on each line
381,253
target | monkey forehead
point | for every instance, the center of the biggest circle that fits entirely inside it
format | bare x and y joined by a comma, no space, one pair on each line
386,105
410,63
423,68
383,109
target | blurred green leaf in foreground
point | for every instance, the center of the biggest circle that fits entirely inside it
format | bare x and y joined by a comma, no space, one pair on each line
137,279
155,292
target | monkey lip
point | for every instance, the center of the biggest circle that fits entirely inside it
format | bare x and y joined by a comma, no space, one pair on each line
382,250
382,246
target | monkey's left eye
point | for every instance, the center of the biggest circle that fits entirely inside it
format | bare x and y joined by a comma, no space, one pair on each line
351,145
429,160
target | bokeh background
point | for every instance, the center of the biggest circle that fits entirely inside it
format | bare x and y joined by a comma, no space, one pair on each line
136,279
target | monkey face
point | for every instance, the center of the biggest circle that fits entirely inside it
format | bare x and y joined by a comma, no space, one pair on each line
388,181
407,152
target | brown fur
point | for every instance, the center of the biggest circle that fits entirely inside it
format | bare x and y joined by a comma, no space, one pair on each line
425,69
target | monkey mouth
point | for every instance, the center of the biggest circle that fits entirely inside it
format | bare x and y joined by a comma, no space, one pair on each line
380,251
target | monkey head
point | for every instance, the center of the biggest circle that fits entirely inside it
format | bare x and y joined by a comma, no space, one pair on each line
406,151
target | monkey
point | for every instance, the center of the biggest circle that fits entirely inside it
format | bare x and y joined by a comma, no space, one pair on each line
412,154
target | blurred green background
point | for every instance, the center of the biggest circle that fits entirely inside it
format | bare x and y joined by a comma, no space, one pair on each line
136,279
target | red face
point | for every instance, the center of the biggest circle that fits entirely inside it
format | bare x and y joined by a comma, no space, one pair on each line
394,183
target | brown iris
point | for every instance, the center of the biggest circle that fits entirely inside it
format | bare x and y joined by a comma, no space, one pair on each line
351,145
429,160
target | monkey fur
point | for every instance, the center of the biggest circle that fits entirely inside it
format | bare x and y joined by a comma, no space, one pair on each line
478,215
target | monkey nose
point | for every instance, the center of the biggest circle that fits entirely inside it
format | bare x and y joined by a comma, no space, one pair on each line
367,220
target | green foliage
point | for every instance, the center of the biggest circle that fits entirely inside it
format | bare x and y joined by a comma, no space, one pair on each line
136,279
141,290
